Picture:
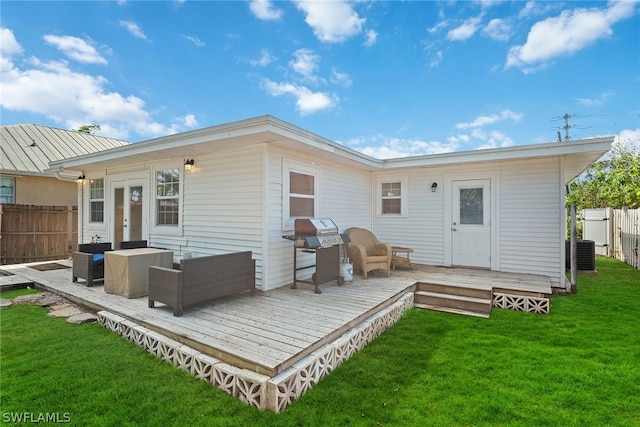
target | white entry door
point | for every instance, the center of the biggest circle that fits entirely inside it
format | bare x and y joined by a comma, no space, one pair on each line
129,205
471,223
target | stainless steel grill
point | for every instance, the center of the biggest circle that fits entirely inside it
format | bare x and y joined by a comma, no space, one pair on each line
319,236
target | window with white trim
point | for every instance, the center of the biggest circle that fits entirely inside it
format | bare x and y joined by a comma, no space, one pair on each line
8,190
167,197
392,197
301,194
96,200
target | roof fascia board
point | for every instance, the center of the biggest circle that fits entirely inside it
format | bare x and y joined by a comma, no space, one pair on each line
506,153
315,141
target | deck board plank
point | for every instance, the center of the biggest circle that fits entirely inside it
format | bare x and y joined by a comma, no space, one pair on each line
268,331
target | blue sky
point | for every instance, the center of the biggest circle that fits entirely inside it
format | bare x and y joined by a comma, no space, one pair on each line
389,79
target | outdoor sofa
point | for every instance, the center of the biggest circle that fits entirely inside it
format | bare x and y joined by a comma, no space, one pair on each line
201,279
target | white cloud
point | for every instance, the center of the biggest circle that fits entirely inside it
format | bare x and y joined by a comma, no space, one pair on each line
567,33
9,47
76,48
305,63
134,29
332,21
629,140
73,99
498,29
466,30
264,10
195,40
307,102
370,38
383,147
340,78
436,59
482,121
496,139
265,59
594,102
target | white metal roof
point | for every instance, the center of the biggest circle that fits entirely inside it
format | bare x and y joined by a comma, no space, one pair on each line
27,149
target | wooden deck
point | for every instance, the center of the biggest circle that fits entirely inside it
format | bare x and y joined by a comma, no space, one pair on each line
275,333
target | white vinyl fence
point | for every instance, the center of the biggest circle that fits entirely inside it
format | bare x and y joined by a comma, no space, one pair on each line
615,233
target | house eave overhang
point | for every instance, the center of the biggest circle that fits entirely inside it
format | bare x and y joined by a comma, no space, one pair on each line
244,133
270,130
592,149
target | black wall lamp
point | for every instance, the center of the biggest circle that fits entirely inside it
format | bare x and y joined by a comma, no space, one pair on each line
80,179
434,187
188,164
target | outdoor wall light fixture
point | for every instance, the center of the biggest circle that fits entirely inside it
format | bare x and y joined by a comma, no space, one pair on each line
434,187
80,179
188,164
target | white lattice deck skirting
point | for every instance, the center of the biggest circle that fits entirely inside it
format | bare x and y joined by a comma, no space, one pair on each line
529,304
261,391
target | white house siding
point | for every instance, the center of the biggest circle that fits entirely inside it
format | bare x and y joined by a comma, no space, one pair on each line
421,229
530,218
344,196
222,206
527,222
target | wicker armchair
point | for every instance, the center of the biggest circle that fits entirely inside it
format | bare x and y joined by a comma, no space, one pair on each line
366,252
88,266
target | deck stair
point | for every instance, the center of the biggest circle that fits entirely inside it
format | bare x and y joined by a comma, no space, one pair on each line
469,301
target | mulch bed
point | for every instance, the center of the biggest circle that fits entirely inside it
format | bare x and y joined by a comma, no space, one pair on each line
48,266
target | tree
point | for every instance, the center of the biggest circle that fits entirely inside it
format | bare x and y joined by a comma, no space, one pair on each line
611,182
89,128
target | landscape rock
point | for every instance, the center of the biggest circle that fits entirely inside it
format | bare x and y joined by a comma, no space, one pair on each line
82,318
49,300
27,299
65,312
4,303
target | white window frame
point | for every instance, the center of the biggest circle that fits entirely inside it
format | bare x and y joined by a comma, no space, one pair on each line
301,168
96,200
13,187
404,194
167,229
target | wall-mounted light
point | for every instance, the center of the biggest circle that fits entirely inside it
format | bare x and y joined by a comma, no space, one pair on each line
188,164
80,179
434,187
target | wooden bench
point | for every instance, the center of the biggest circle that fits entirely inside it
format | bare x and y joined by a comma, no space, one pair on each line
202,279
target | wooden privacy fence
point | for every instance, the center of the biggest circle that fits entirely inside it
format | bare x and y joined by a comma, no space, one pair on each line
615,233
31,233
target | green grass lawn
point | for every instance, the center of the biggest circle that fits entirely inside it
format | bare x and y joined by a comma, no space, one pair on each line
579,366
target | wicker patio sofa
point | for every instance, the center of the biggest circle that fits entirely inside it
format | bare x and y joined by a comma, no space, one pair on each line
88,262
201,279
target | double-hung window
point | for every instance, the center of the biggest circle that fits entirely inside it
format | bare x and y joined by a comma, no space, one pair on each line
301,198
96,200
167,197
392,196
8,190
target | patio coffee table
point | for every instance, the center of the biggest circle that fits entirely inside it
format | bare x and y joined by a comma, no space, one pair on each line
126,272
400,256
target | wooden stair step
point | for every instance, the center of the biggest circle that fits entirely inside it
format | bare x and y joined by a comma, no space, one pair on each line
452,310
455,297
454,303
470,291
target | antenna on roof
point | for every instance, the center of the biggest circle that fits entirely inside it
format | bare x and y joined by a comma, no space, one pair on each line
33,143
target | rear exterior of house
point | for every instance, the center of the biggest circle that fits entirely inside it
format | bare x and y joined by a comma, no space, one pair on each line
499,209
